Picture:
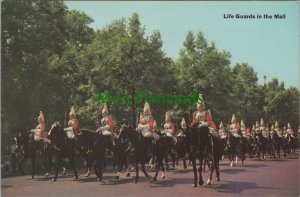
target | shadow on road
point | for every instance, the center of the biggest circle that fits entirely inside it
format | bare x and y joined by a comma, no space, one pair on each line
233,171
6,186
171,182
182,171
237,187
255,165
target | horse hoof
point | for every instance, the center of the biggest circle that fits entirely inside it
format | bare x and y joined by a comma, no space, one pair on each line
47,174
99,179
200,182
135,180
54,179
88,174
154,179
218,179
117,177
163,177
208,182
195,185
132,169
231,164
32,177
75,177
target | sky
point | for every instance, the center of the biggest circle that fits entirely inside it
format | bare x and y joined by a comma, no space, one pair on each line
270,46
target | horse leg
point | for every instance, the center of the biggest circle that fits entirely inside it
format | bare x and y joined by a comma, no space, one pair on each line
50,165
184,164
56,167
20,164
195,172
167,163
144,169
71,160
120,167
33,165
99,164
173,160
200,180
96,169
230,156
217,164
136,172
158,163
211,172
89,165
126,166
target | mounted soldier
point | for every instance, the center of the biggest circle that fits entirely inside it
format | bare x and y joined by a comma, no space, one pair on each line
201,117
243,129
277,129
235,127
106,124
223,136
146,123
181,145
169,128
263,129
39,132
289,131
222,131
72,128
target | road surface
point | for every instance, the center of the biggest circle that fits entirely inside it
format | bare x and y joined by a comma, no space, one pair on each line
273,177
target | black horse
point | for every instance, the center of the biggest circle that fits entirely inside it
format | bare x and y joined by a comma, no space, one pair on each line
62,148
276,143
27,148
85,145
142,151
261,143
236,148
181,148
160,151
291,144
250,146
201,144
123,147
171,150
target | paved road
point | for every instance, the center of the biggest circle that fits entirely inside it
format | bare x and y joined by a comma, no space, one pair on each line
272,177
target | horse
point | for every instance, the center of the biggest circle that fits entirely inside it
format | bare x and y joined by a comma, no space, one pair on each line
181,149
84,145
122,149
261,143
276,142
27,148
160,151
171,152
235,148
62,148
291,143
250,146
142,151
223,142
200,144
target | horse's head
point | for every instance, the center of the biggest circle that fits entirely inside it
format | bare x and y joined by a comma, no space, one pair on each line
56,131
21,139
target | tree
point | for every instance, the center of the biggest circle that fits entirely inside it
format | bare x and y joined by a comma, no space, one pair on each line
204,69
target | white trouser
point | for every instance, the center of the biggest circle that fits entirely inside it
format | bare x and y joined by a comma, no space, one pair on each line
70,133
